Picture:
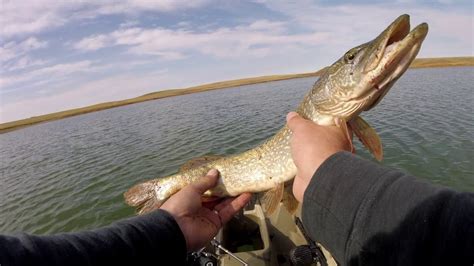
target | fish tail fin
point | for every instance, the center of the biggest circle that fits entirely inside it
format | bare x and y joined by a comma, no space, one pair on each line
143,196
149,205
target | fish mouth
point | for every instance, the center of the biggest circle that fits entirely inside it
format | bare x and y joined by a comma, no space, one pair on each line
395,49
394,33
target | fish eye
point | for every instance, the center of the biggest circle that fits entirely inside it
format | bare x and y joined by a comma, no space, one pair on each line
349,56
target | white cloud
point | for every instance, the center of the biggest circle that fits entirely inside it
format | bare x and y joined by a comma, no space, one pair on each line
92,43
334,29
58,71
131,6
23,17
64,69
266,25
259,38
11,50
30,17
184,24
23,62
446,2
350,24
129,23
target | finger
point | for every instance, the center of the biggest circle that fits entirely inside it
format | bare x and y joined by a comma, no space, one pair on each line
290,115
211,204
230,209
207,182
293,120
297,184
223,203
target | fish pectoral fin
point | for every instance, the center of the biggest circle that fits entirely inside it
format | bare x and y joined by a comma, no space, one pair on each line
289,200
368,136
342,124
271,198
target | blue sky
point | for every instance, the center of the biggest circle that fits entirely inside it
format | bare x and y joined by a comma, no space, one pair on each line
58,55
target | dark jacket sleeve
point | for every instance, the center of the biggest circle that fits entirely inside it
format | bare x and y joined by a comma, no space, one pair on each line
367,214
152,239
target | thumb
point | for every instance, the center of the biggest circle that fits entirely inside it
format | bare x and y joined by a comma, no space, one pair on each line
207,182
292,119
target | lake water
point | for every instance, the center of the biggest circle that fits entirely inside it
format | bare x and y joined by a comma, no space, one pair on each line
70,174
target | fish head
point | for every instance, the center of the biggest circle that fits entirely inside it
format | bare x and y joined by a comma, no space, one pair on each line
363,75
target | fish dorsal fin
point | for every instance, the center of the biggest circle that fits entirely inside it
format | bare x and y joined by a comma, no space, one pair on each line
271,198
198,161
289,200
342,124
367,136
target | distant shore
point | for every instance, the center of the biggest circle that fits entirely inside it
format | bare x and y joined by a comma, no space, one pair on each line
9,126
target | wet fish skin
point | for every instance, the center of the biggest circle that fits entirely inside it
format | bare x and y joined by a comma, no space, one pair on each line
354,83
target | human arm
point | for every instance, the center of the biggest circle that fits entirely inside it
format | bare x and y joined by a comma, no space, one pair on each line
367,214
154,237
161,237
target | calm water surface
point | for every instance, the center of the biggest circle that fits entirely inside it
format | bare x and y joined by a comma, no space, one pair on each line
70,174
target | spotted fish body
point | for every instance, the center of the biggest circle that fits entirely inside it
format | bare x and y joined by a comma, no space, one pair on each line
354,83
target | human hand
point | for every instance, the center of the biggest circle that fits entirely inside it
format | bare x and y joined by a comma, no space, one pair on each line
311,145
200,224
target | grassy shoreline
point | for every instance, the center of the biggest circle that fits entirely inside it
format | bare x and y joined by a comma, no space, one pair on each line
9,126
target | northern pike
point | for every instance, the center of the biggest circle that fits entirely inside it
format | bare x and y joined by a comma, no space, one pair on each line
354,83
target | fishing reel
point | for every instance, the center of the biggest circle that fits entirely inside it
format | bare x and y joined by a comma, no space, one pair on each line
306,254
202,258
